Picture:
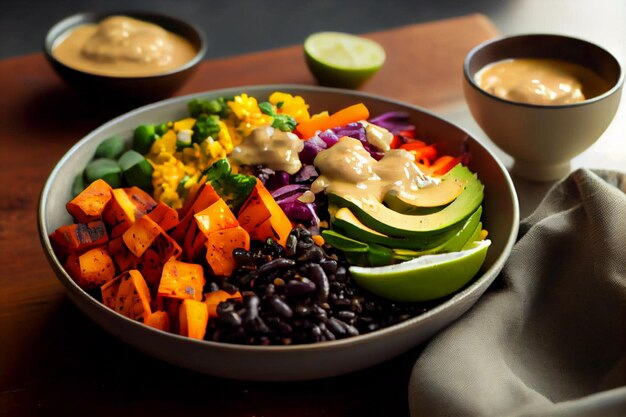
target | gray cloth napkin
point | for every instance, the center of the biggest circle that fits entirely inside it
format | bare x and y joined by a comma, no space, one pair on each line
550,338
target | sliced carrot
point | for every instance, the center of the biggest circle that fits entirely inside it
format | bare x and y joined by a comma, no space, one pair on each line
318,240
193,318
254,219
217,216
350,114
220,245
89,204
181,280
213,299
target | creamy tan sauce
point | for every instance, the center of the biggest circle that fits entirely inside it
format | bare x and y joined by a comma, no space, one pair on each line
540,81
120,46
347,169
271,147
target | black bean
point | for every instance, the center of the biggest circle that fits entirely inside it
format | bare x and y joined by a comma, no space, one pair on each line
320,313
229,319
229,288
329,265
337,327
251,306
292,242
299,287
342,274
312,254
277,263
302,311
318,276
327,334
346,315
280,307
243,257
213,287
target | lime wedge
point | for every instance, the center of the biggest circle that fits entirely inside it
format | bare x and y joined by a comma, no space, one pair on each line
425,278
342,60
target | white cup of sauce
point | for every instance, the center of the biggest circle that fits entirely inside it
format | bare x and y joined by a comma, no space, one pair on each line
543,99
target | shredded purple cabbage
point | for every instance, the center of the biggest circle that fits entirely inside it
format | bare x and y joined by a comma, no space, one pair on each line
306,174
394,121
311,148
277,180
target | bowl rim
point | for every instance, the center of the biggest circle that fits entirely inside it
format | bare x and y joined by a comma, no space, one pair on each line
472,82
68,23
484,280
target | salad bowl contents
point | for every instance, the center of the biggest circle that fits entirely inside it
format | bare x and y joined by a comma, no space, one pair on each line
213,227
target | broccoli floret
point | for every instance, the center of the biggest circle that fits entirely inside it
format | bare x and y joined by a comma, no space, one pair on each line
205,126
233,188
216,106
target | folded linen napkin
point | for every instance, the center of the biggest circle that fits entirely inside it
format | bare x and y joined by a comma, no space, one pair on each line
549,339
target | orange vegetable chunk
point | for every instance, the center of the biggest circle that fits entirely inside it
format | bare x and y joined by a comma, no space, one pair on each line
220,245
91,269
120,213
139,237
109,292
90,203
78,236
133,296
217,216
213,299
159,320
140,199
194,318
350,114
181,280
253,216
164,215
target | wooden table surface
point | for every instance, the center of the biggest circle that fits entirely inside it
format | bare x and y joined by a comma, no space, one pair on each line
55,361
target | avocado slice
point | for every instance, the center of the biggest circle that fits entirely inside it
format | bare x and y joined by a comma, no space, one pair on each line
387,221
346,222
373,254
359,253
449,188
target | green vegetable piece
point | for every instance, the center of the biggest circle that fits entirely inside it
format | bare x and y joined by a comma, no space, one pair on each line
143,138
105,169
110,148
216,106
78,185
204,127
282,122
160,129
136,169
233,188
359,253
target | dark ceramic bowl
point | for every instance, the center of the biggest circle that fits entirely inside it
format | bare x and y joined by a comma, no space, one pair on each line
543,139
299,362
127,91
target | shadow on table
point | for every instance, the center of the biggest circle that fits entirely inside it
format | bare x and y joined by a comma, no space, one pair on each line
75,368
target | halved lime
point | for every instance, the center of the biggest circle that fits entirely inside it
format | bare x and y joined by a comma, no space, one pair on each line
425,278
342,60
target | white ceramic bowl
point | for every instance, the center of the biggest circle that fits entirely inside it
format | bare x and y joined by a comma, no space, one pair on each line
543,139
281,363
